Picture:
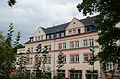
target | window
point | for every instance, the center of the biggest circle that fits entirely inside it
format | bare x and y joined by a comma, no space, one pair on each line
78,31
35,38
91,42
75,74
64,59
74,31
62,34
52,36
85,43
60,46
31,49
72,44
85,58
48,36
39,38
62,73
31,39
87,29
49,60
31,60
49,47
77,44
74,58
70,32
64,45
109,66
77,58
58,35
71,59
89,75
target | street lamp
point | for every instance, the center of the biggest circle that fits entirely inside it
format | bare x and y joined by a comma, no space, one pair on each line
92,49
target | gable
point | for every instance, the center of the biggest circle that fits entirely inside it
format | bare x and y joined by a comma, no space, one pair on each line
39,32
75,23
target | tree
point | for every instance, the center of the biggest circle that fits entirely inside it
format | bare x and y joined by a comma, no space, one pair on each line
108,17
8,40
41,60
7,57
16,43
60,60
11,2
60,64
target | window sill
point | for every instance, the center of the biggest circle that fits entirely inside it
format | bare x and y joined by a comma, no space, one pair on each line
85,62
74,62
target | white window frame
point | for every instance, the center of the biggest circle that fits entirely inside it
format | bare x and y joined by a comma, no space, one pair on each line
91,42
77,44
85,57
70,32
62,34
85,43
72,59
74,31
71,45
76,58
64,45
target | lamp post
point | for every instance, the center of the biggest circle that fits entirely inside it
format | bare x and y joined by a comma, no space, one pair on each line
92,49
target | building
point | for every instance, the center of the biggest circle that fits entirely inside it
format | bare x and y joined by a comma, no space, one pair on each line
74,40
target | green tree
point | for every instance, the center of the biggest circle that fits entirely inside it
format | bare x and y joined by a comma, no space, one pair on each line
60,60
60,64
108,16
8,40
41,60
11,2
16,44
7,57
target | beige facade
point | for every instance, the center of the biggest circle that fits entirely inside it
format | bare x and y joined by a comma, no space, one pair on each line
75,45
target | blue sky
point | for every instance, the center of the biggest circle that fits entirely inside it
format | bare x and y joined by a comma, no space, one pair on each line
28,15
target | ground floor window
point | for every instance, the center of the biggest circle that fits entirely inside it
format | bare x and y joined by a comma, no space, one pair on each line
75,74
28,73
91,75
61,73
38,74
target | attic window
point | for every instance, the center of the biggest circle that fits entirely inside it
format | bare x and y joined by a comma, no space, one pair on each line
74,23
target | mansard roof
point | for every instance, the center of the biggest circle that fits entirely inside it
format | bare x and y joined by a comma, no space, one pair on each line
87,21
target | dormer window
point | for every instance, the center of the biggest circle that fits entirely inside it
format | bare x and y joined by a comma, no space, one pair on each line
48,36
70,32
73,22
39,38
62,34
74,31
78,31
31,39
52,36
35,38
58,35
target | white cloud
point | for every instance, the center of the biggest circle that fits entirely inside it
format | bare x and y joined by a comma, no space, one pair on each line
27,15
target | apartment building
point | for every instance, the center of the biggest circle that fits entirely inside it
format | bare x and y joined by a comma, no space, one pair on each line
74,39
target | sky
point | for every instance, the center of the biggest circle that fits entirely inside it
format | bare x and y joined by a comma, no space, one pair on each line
28,15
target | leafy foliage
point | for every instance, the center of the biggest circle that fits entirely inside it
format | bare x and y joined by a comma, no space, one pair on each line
60,60
108,17
11,2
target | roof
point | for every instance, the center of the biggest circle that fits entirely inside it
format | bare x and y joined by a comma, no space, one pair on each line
87,21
